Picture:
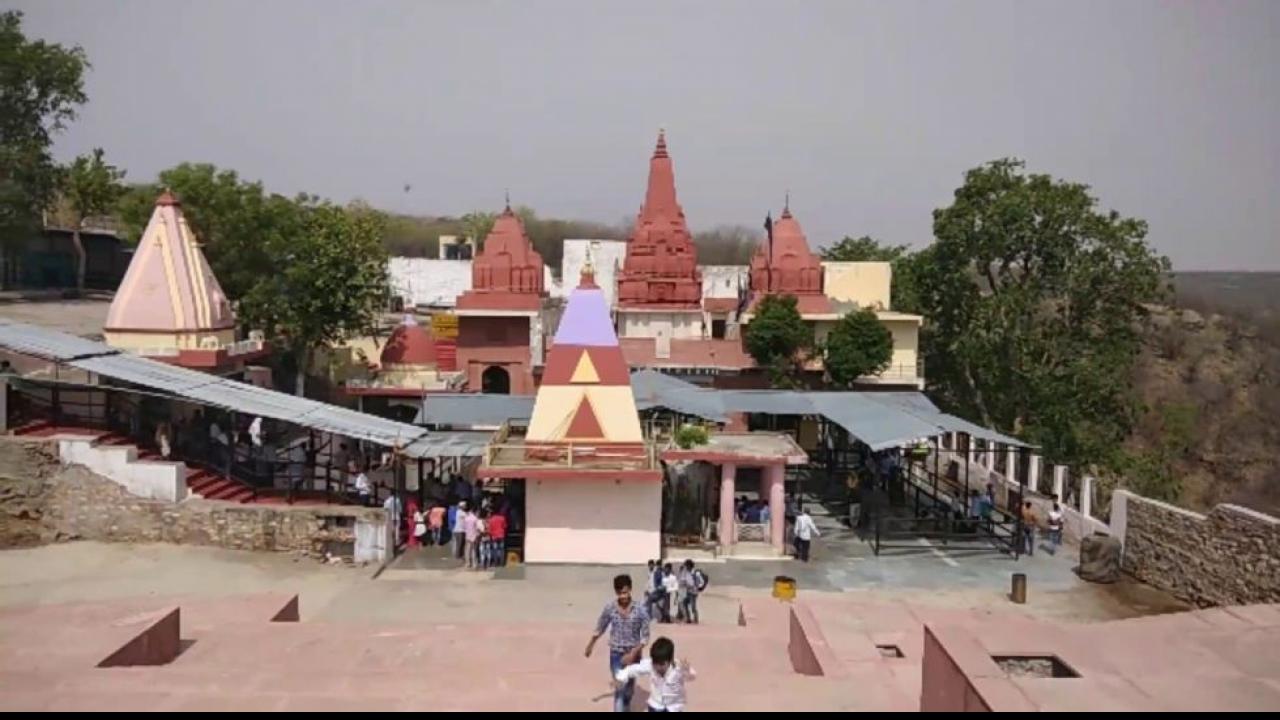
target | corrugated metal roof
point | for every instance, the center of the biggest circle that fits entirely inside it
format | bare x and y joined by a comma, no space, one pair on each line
204,388
655,389
466,410
877,424
449,443
32,340
879,419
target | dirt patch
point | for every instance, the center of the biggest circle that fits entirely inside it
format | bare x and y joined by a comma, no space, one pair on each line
26,470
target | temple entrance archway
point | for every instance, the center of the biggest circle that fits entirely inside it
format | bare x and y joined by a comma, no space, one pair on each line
495,380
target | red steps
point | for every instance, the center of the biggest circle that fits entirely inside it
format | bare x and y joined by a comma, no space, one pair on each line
212,486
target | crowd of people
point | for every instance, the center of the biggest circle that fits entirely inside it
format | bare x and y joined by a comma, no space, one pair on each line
670,588
475,525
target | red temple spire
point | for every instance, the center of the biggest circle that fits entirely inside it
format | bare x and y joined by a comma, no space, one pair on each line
661,266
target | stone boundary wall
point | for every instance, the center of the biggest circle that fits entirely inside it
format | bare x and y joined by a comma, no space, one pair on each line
1231,556
69,503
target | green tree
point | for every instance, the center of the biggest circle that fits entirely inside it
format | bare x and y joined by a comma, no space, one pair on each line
858,345
41,84
328,281
477,225
863,249
90,187
1154,471
1032,297
778,339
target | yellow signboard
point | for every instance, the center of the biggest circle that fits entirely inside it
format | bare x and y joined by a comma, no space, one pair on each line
444,325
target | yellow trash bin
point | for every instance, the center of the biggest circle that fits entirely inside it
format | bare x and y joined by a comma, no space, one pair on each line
784,588
513,557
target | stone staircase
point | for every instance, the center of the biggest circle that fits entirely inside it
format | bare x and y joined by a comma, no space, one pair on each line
200,482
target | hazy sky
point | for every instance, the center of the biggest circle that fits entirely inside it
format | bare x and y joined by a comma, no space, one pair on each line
869,112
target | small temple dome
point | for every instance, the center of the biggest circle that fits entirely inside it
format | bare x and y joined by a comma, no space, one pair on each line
409,344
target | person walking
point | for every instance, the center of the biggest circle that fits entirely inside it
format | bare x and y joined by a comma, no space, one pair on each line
1029,523
692,582
805,531
435,523
1055,527
628,626
457,529
470,534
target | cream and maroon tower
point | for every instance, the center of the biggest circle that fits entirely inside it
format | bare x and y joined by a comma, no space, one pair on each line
593,490
169,306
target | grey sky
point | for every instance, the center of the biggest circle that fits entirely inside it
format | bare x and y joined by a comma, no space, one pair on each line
868,112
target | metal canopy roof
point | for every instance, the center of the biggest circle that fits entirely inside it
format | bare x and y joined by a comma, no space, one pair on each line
208,389
473,410
879,419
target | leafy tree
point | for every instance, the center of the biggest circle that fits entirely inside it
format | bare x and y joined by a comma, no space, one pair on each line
41,84
477,225
726,245
858,345
1154,471
778,339
90,187
863,249
327,281
1032,297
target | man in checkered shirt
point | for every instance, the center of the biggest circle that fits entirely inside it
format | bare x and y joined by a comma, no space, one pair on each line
628,625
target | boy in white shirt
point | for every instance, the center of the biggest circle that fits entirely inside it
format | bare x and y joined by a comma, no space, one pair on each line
666,676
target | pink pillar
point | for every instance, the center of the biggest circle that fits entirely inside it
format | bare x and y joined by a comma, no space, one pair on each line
775,475
727,532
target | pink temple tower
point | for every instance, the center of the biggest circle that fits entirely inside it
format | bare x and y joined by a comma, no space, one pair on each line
170,306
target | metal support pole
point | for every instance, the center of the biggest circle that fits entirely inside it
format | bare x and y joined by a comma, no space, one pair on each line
231,451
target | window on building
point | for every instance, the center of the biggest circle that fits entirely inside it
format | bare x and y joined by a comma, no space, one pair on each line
717,329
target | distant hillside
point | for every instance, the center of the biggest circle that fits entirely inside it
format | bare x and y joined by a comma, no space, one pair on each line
1209,376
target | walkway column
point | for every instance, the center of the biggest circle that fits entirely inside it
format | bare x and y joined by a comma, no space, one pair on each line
1011,464
728,534
1060,483
1033,472
972,442
776,476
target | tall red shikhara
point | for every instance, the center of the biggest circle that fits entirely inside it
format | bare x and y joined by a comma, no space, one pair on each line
661,267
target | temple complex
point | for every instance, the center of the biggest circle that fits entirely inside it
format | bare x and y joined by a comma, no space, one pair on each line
670,313
170,307
500,317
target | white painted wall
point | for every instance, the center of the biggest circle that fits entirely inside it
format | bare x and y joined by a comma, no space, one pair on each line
428,281
374,541
155,480
724,281
596,520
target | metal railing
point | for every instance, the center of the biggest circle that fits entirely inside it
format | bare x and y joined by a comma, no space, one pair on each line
240,347
275,469
571,455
